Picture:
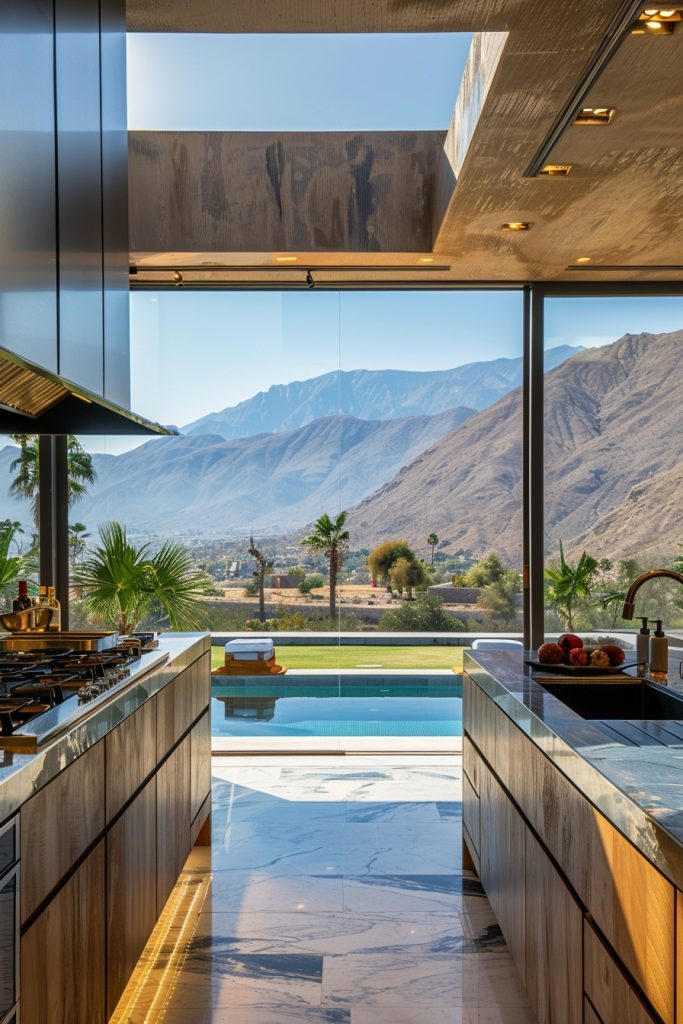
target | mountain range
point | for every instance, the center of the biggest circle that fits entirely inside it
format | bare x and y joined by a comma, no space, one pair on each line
613,463
270,483
369,394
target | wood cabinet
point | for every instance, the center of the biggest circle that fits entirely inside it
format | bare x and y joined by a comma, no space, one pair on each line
58,825
632,904
181,702
131,889
102,846
63,952
589,1014
553,932
200,764
130,756
173,819
608,990
502,863
470,815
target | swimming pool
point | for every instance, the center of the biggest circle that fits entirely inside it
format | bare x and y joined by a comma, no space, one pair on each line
338,704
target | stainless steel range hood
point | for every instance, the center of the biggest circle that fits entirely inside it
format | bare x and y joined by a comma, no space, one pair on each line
35,401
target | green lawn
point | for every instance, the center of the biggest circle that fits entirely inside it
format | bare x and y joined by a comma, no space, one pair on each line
362,657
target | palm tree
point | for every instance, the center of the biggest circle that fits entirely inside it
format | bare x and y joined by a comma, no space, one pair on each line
569,583
123,583
433,540
12,567
330,538
77,537
264,567
26,484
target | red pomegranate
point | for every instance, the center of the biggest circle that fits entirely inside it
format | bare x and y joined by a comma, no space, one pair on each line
551,654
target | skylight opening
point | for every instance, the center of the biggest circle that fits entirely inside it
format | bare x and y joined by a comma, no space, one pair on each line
294,83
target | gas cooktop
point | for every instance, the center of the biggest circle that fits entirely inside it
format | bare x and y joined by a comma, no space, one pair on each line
34,682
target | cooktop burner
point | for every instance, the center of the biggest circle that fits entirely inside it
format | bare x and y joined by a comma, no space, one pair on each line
33,682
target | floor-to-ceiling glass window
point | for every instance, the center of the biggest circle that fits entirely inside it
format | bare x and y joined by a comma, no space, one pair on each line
348,464
613,453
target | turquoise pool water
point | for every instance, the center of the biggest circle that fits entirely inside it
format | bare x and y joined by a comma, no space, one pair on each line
338,705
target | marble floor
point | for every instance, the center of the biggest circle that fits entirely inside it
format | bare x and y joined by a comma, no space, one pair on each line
333,894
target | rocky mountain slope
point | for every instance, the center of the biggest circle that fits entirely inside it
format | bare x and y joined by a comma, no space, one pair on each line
614,439
370,395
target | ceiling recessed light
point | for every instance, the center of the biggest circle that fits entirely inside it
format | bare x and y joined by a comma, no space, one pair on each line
658,21
516,225
555,170
286,259
583,259
426,259
595,115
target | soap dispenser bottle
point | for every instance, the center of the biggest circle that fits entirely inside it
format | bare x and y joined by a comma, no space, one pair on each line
659,655
643,647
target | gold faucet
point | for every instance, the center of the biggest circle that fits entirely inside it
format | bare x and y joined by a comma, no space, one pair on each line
651,574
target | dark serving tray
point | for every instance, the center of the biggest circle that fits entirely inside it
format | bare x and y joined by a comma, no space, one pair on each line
582,670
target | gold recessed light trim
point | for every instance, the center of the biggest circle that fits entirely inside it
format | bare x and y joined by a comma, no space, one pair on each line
595,115
658,21
286,259
516,225
583,259
555,170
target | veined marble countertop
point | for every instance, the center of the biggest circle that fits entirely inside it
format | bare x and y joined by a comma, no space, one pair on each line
631,772
22,775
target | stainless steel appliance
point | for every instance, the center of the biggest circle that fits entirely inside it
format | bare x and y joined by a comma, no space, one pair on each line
9,922
46,688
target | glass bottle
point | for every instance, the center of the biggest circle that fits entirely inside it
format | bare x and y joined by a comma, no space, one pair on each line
52,602
22,601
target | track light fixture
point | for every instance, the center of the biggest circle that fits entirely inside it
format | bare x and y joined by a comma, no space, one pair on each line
177,279
310,283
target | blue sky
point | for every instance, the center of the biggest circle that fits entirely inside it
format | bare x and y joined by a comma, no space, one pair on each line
387,81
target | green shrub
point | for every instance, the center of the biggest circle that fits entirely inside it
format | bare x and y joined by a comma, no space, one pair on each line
424,615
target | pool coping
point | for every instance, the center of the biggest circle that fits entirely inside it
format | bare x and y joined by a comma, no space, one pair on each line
226,745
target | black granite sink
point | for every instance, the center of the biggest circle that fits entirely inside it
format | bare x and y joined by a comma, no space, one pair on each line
619,701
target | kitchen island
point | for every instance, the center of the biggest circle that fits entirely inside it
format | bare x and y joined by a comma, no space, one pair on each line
576,829
103,817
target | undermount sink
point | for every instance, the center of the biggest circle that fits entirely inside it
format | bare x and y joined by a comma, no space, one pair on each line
641,701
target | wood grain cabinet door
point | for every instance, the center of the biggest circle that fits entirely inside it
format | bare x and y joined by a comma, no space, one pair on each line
554,944
173,820
131,889
200,764
58,825
131,756
502,863
63,952
606,986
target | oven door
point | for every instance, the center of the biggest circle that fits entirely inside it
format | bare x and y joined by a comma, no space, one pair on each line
9,921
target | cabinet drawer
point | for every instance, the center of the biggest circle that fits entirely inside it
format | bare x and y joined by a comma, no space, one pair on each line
470,813
173,819
131,756
554,923
58,824
200,764
471,762
502,863
131,889
589,1014
181,702
63,952
607,987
